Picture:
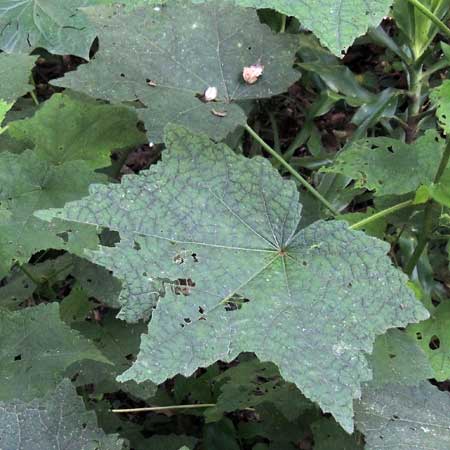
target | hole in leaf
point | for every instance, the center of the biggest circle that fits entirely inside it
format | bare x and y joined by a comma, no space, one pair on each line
201,310
18,358
419,335
391,355
183,286
435,343
136,245
194,257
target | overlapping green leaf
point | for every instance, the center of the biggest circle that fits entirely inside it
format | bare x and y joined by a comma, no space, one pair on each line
396,417
68,128
30,183
175,54
15,73
57,421
440,96
397,358
337,23
433,336
119,343
328,435
388,166
56,25
36,349
223,228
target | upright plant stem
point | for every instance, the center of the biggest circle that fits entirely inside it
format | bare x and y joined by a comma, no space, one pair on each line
427,225
426,12
415,88
291,170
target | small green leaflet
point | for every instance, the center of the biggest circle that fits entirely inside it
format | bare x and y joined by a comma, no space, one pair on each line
224,230
396,417
57,421
433,336
388,166
56,25
397,358
175,54
15,73
36,349
70,128
337,23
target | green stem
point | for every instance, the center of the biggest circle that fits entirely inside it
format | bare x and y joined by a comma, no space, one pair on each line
283,23
290,169
162,408
415,88
426,12
379,215
427,225
3,129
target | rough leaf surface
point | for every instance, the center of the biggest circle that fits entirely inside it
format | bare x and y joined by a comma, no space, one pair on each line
15,72
223,228
36,349
337,23
57,421
388,166
176,53
56,25
396,417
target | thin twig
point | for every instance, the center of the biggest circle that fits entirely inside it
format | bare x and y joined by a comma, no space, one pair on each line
163,408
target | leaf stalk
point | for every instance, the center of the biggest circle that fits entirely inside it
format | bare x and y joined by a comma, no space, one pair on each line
291,170
162,408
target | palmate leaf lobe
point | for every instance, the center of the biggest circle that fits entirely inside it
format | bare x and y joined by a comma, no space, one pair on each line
221,232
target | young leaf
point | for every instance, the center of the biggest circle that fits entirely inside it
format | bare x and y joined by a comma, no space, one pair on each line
56,25
68,128
397,358
37,347
433,336
15,73
404,417
175,54
223,228
337,23
57,421
388,166
30,183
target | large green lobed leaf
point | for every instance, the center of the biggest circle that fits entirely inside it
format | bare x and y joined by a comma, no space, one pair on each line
226,228
177,52
57,421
